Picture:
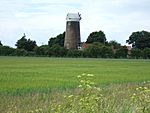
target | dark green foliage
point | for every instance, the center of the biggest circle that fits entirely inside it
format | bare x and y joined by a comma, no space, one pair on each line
57,51
21,43
30,45
98,50
31,53
136,53
6,51
96,47
96,37
146,53
26,44
121,52
59,40
42,50
115,44
140,39
94,50
74,53
1,43
106,52
20,52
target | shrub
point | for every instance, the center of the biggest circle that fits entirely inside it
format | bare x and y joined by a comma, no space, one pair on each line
86,100
141,100
91,99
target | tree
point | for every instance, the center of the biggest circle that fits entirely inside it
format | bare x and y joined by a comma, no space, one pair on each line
74,53
20,52
26,44
1,43
98,50
136,53
57,51
121,52
21,44
30,45
6,50
42,50
139,39
93,50
146,53
114,44
106,52
59,40
96,37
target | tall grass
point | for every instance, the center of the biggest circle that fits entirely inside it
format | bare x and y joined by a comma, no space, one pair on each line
37,85
21,75
86,98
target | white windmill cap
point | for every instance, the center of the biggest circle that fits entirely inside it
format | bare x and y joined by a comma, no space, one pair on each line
73,17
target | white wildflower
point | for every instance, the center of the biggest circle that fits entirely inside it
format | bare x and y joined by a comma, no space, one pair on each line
90,75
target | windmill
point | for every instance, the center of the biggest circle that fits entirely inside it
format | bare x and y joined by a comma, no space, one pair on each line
72,36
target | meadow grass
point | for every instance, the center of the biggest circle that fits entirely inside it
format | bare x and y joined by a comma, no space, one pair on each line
85,98
30,74
34,84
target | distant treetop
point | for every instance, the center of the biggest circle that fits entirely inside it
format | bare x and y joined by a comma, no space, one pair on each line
96,37
1,43
139,39
26,44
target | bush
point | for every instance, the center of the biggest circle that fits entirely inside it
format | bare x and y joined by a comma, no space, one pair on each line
42,50
57,51
121,52
136,53
141,99
20,52
85,101
91,99
75,53
6,50
146,53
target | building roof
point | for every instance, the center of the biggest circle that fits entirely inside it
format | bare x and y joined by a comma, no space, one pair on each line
73,17
129,47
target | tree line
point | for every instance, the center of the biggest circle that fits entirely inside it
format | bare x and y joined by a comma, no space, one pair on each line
96,46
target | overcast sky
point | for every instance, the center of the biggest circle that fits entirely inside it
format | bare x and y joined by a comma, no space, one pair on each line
42,19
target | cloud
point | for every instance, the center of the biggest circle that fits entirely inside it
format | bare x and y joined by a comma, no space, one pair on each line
42,19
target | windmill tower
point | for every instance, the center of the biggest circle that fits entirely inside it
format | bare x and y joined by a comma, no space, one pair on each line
72,36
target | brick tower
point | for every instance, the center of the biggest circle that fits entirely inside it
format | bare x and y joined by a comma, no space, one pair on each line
72,35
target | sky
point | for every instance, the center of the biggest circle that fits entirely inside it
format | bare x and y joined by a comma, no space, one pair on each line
42,19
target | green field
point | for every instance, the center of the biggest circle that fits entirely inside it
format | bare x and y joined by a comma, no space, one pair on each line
36,84
30,74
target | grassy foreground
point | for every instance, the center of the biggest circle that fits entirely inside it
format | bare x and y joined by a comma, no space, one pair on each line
24,74
40,84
